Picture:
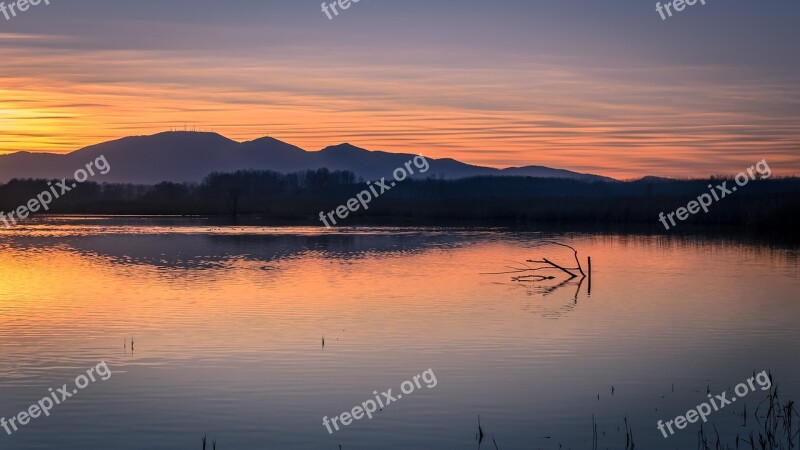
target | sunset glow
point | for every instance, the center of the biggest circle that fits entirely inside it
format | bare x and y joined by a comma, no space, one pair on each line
469,95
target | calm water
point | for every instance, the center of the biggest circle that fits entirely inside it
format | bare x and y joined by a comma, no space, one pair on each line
228,323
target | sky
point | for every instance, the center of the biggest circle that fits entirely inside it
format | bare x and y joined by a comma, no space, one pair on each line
606,87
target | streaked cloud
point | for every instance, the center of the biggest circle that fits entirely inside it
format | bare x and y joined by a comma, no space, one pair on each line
618,113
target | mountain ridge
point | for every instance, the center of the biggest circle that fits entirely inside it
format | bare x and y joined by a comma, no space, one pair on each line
189,156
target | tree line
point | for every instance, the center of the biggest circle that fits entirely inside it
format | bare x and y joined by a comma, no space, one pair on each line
762,204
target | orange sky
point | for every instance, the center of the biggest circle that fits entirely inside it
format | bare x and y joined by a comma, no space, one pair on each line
622,114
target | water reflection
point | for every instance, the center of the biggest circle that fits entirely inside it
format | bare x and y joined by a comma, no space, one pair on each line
228,322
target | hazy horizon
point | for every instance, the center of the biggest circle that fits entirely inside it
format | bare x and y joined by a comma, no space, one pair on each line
339,144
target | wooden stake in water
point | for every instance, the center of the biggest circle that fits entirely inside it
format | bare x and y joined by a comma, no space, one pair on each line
590,274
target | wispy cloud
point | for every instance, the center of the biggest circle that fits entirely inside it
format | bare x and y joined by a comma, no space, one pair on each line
617,115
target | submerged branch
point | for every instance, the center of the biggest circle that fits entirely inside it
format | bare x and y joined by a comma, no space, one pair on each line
547,264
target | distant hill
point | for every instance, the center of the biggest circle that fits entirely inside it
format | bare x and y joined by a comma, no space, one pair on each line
190,156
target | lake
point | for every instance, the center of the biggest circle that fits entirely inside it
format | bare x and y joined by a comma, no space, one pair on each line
228,323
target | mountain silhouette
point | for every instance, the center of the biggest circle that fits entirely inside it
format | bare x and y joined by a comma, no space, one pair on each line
185,156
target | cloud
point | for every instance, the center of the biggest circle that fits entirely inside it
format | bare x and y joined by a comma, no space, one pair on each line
468,90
